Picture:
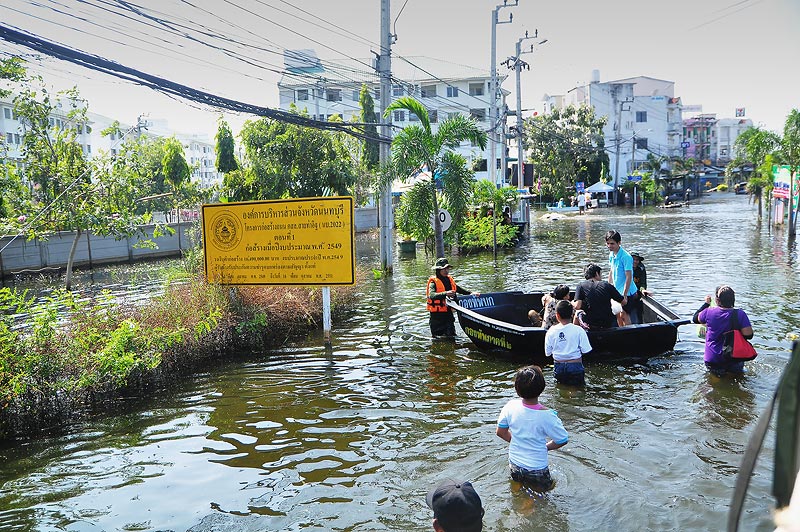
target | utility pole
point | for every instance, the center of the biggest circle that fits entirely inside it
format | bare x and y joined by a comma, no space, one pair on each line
384,68
618,135
517,64
493,90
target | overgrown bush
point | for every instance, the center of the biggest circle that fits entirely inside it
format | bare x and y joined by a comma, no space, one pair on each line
478,234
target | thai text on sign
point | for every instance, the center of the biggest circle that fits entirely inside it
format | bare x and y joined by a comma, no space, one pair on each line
305,241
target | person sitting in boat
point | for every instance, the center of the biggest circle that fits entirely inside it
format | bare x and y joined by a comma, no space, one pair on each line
567,343
549,302
441,286
536,319
594,296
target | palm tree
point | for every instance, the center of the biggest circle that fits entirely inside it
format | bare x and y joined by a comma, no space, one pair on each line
791,153
418,145
753,146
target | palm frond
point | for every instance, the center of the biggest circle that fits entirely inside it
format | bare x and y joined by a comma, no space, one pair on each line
455,129
413,106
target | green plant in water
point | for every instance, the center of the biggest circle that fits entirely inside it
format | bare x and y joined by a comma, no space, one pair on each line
377,273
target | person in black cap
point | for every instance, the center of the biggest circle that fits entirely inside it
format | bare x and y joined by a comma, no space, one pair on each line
441,286
456,507
640,280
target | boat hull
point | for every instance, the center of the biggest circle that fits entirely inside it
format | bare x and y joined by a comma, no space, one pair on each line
563,209
497,323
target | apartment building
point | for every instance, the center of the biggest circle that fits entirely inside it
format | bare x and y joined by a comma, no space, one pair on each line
324,89
644,117
711,139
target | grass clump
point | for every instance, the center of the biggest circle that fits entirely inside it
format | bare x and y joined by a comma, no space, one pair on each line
70,353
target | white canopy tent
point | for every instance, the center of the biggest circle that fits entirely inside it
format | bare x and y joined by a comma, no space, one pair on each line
599,187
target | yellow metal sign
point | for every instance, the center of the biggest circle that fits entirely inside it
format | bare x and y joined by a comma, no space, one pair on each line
305,241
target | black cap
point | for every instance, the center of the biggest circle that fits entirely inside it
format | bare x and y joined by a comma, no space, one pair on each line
637,256
456,506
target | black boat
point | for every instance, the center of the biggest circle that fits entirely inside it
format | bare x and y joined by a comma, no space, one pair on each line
498,322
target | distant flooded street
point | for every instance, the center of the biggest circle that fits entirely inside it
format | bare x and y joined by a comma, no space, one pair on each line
351,438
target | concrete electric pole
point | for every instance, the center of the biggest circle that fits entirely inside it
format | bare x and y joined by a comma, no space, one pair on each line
491,164
384,68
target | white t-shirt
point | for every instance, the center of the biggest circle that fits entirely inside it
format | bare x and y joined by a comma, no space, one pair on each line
581,200
566,342
530,430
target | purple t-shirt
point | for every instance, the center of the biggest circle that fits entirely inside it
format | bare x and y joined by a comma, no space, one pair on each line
718,322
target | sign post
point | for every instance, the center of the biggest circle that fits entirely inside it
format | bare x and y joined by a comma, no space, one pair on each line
302,241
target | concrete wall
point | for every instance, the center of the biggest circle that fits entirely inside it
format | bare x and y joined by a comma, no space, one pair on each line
22,256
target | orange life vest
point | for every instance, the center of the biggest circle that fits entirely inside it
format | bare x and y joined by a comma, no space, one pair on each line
438,305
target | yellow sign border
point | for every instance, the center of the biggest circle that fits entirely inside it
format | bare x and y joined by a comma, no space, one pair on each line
287,242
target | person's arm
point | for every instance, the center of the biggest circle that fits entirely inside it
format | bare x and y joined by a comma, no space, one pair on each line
504,433
552,446
696,318
643,277
628,281
463,291
747,330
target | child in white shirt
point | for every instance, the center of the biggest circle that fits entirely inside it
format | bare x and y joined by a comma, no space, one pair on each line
567,343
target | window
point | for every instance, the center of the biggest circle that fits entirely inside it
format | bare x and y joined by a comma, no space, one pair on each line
452,92
433,115
399,116
7,112
17,139
301,94
641,116
356,95
88,129
481,166
476,89
10,138
80,129
397,90
88,148
52,122
412,117
377,94
478,114
428,91
641,144
377,118
334,95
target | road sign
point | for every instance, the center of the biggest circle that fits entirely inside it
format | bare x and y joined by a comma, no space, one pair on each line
298,241
684,144
634,178
579,187
444,219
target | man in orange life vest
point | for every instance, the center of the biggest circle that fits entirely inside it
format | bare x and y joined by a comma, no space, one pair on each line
440,287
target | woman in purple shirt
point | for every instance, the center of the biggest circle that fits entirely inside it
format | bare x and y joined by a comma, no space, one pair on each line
717,320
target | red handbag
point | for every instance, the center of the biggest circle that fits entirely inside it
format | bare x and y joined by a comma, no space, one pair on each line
737,348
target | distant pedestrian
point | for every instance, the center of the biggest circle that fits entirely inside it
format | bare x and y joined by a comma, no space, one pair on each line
456,507
581,203
531,429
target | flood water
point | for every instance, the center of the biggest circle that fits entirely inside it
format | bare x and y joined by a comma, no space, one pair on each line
351,438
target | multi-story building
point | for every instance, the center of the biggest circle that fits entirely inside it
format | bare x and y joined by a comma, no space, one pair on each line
13,130
199,149
325,89
726,131
644,117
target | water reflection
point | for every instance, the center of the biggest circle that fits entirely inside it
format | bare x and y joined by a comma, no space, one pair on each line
351,438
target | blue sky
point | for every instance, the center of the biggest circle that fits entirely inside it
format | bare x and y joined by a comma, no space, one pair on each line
721,54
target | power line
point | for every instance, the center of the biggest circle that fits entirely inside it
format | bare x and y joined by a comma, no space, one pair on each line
163,85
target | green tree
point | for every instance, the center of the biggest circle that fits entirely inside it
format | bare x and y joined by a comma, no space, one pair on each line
226,158
417,146
566,146
68,192
371,154
753,146
13,70
289,160
791,153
